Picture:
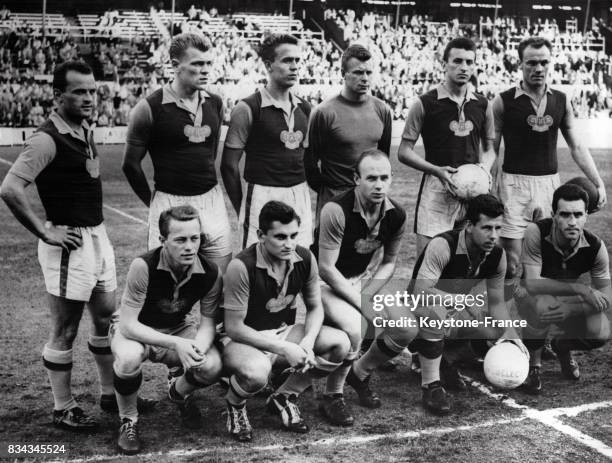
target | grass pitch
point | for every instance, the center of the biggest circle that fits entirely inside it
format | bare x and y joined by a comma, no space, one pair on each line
480,429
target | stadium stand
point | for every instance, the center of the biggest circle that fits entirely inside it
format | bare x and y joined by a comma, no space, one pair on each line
129,54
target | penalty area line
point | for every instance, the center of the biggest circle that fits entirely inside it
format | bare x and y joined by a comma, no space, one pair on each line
352,440
550,416
106,206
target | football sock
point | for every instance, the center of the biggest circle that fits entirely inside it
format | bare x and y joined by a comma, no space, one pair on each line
297,382
59,368
99,346
535,357
430,369
382,349
335,381
126,390
236,395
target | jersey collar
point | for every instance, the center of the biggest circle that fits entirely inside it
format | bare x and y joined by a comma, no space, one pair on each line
62,127
195,268
552,239
170,96
518,91
444,93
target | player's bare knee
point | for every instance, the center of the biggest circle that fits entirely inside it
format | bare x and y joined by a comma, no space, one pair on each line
209,372
62,337
128,358
402,335
340,345
598,329
254,374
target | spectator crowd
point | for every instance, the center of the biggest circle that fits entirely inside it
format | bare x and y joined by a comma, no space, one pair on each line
408,61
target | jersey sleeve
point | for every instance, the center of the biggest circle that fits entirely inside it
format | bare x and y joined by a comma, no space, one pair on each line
140,124
532,249
38,153
137,282
436,257
414,121
236,286
241,120
331,228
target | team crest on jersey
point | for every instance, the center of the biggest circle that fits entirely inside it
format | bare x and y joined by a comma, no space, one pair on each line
461,128
93,167
539,123
168,306
279,303
367,246
197,134
291,140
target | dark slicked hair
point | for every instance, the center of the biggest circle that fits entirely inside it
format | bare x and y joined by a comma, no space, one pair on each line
354,51
534,42
59,75
180,213
463,43
485,204
371,153
181,42
570,192
267,49
276,211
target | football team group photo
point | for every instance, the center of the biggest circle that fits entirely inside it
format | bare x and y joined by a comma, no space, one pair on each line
367,231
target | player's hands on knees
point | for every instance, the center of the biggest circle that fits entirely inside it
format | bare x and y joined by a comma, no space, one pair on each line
295,354
188,353
66,238
309,348
445,174
556,313
597,300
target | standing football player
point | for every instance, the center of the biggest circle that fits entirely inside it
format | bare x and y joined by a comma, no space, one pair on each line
345,126
271,127
557,251
529,117
179,126
457,128
74,252
260,290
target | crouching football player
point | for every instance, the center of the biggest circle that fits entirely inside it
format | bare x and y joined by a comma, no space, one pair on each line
153,323
557,252
452,265
260,287
355,228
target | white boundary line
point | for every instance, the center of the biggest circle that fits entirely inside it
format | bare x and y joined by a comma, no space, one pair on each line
549,417
110,208
546,417
317,443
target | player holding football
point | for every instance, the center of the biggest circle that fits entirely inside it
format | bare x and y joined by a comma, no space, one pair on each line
260,287
353,227
345,126
455,263
529,117
457,128
74,251
153,323
179,126
271,127
557,252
